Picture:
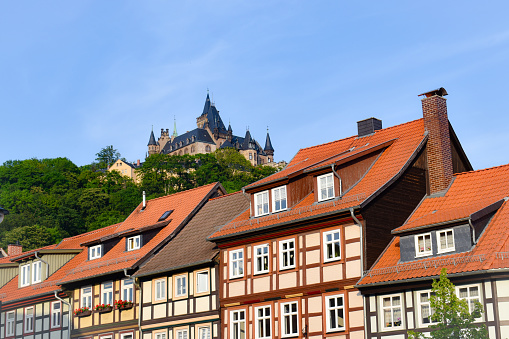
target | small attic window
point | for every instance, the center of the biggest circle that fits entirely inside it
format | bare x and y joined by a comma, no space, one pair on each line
165,215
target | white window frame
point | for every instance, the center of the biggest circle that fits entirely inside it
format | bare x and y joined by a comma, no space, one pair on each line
294,317
328,185
127,290
25,275
264,196
200,330
202,286
236,263
420,305
125,335
439,242
56,314
281,191
134,243
86,297
183,331
36,272
335,309
260,258
10,324
263,321
391,308
28,321
330,243
181,285
469,298
235,329
107,293
160,289
94,252
287,252
160,335
425,252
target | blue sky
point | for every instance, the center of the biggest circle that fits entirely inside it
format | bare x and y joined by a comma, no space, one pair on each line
76,76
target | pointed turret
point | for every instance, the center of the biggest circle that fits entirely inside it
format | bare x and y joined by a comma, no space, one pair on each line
207,105
268,145
174,128
153,146
152,139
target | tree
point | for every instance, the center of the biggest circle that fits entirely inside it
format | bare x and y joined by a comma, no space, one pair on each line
107,156
30,237
452,314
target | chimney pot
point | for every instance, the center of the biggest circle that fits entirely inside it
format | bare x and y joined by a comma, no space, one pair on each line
14,249
368,126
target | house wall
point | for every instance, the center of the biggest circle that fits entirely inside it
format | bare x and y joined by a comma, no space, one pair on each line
7,273
117,323
42,325
495,311
192,312
308,284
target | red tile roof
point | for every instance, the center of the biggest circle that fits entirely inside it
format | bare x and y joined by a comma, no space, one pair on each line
469,192
402,141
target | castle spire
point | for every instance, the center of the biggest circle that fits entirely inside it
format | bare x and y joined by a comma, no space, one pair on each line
268,144
152,139
174,127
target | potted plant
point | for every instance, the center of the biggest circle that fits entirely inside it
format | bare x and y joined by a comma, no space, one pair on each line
103,308
123,304
82,312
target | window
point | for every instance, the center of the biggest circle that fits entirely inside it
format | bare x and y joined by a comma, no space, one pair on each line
391,309
325,187
445,241
425,310
262,322
290,323
181,334
29,320
204,332
181,285
237,263
238,324
332,246
107,293
335,313
279,199
134,243
202,282
10,321
95,252
160,289
86,297
56,314
25,275
286,254
261,203
423,245
261,259
471,294
126,336
127,290
160,335
250,156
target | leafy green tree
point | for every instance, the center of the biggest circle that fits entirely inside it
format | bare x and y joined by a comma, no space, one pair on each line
452,314
30,237
107,156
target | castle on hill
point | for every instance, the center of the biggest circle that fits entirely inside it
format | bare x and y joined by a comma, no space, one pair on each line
211,134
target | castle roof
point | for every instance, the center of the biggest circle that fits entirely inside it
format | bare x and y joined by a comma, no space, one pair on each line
188,138
152,139
268,144
213,116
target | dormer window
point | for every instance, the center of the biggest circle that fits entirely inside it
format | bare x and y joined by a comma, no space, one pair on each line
279,199
261,203
423,245
445,241
25,275
94,252
134,243
325,187
36,272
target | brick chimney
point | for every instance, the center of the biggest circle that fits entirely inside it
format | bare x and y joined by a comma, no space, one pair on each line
434,109
14,249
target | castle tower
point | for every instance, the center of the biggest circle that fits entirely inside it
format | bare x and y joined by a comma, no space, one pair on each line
269,150
153,146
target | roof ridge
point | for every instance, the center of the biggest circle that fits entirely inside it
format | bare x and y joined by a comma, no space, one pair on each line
181,192
481,170
89,233
225,195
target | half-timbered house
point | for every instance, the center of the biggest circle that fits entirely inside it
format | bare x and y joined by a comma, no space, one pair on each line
290,263
180,284
462,229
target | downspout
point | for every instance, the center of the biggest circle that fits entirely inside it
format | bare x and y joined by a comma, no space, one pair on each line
340,181
472,228
139,301
362,240
47,265
70,310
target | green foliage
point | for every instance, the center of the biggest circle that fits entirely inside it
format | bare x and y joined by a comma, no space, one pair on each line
107,156
452,314
30,237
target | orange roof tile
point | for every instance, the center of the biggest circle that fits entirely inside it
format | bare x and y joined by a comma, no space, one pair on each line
470,192
406,140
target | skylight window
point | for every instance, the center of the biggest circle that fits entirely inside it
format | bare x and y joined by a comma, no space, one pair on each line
165,215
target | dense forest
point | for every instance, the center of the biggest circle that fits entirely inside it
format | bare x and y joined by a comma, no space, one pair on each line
50,199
